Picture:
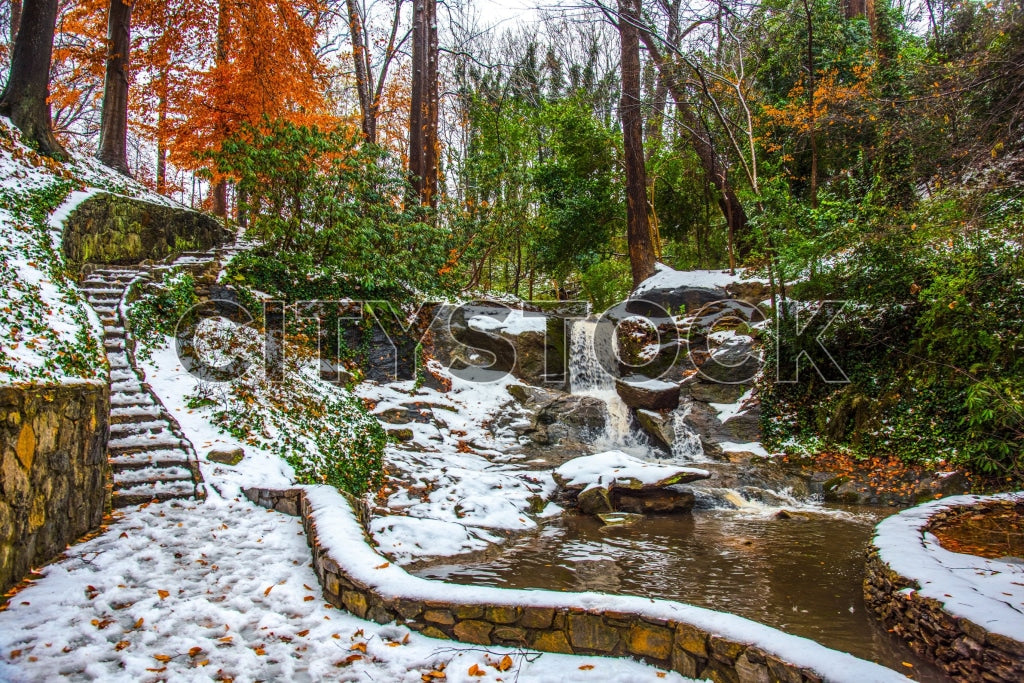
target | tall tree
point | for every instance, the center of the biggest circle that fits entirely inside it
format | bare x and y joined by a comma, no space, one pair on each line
638,225
15,18
114,122
25,100
370,84
219,186
713,164
423,140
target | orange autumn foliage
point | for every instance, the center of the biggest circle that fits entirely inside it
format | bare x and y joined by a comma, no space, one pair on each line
837,101
200,69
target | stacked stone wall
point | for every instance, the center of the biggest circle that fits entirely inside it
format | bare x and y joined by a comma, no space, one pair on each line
54,474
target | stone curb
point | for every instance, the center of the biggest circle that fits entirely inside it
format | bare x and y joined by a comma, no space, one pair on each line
674,645
960,647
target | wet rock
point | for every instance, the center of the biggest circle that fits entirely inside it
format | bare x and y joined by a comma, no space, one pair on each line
659,425
533,398
575,418
620,518
734,362
617,482
642,393
705,391
226,456
742,428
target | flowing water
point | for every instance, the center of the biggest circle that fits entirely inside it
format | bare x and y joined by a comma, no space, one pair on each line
802,574
589,356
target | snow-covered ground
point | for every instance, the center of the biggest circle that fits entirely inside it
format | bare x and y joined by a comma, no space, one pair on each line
223,590
47,332
668,278
453,487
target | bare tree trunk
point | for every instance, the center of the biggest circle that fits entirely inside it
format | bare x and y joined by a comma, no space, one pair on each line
15,19
113,150
854,8
638,227
423,140
360,58
711,162
161,136
811,113
25,100
219,187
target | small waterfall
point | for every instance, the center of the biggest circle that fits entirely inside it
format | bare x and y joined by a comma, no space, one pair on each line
686,445
588,377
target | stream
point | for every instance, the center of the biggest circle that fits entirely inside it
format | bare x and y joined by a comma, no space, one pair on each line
800,571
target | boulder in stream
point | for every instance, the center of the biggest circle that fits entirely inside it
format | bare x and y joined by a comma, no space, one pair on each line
617,482
639,392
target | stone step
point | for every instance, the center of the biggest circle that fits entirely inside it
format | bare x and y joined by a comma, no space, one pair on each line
116,344
128,386
165,457
142,443
140,495
113,332
149,427
141,398
130,477
136,419
123,375
105,300
150,411
95,292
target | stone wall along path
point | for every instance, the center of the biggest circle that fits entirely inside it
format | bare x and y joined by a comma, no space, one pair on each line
692,641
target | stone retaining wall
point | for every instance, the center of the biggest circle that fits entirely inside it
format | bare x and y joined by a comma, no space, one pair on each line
963,649
113,229
675,645
53,471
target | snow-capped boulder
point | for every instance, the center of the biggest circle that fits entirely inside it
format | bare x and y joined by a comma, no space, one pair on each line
639,392
617,482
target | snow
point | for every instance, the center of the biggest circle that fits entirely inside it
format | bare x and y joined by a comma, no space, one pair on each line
512,322
604,469
647,383
173,385
223,589
754,447
668,278
340,534
458,487
989,593
49,333
727,411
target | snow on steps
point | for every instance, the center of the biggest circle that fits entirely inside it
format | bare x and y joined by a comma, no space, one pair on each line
150,458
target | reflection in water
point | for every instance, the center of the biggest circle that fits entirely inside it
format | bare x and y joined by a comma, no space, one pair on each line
802,575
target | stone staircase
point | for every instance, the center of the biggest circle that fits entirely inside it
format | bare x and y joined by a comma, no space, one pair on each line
150,457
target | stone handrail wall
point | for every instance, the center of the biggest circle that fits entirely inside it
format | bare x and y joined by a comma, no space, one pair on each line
713,645
53,471
964,649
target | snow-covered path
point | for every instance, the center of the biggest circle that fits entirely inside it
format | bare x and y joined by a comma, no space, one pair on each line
223,590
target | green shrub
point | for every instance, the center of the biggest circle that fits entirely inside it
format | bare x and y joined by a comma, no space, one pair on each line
157,308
